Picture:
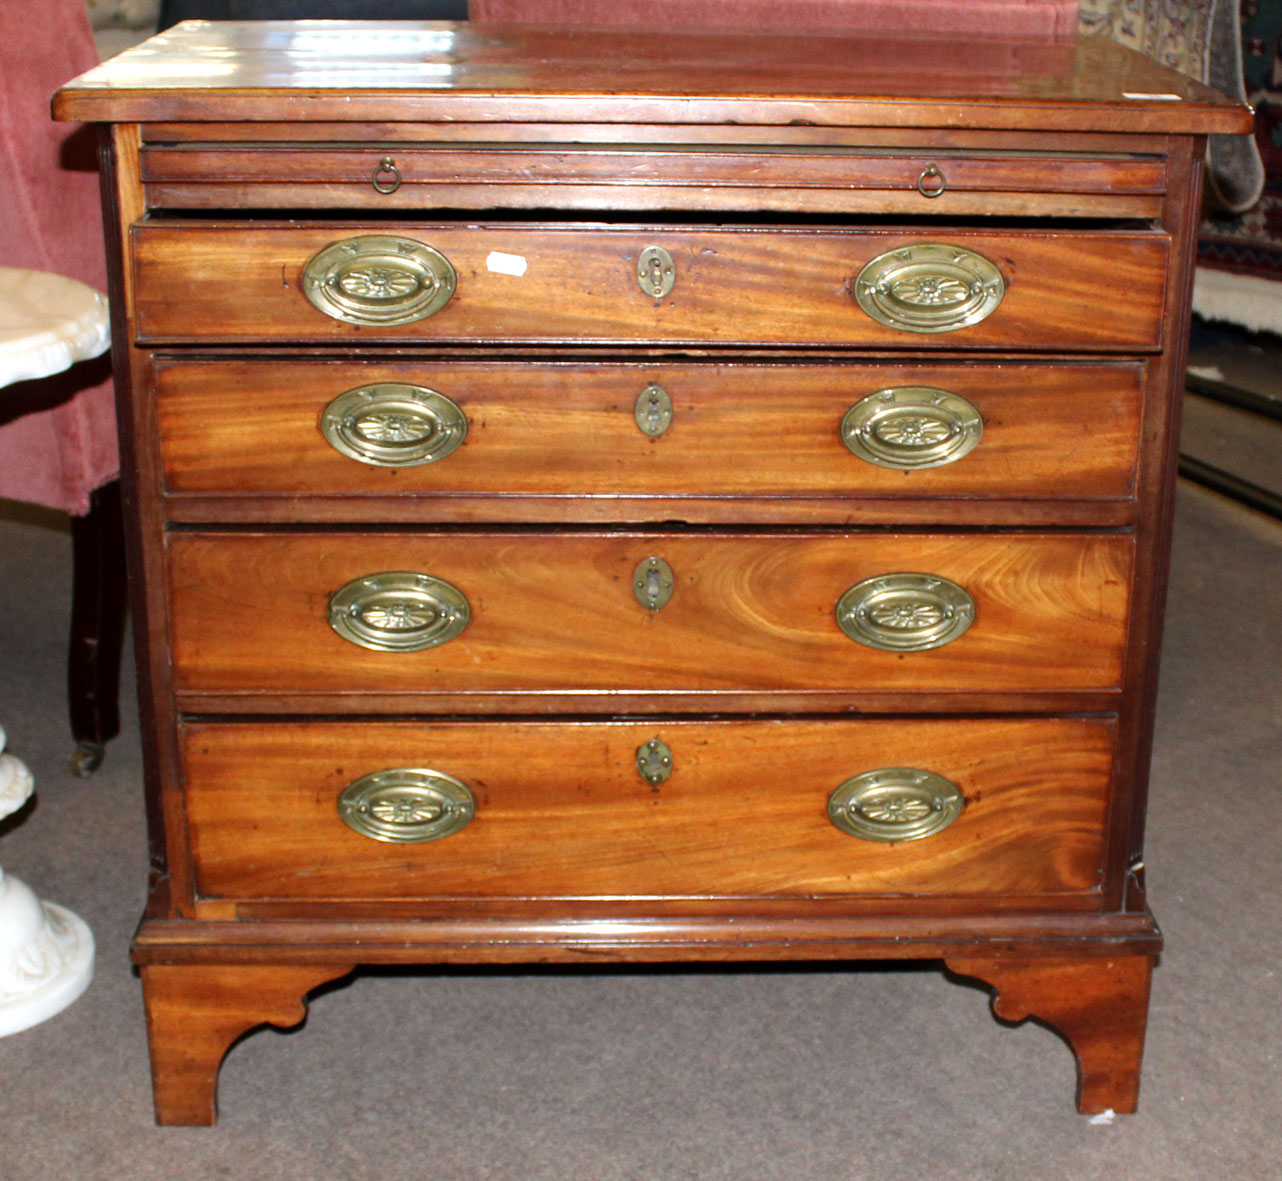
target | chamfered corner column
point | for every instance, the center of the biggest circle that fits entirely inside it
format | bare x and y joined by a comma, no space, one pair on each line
1098,1003
196,1010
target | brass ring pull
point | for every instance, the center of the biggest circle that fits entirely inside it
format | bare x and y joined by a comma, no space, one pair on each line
398,611
406,805
895,804
931,182
905,612
387,167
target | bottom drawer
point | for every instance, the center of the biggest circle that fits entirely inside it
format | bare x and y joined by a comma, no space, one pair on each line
578,810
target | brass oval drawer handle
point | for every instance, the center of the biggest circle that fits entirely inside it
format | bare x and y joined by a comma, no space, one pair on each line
391,424
910,427
929,287
895,804
379,280
406,805
905,612
398,611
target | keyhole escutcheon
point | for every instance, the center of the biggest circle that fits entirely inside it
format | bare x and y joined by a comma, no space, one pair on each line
654,761
652,583
656,272
653,411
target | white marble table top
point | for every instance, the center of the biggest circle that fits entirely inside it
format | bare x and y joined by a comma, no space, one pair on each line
48,323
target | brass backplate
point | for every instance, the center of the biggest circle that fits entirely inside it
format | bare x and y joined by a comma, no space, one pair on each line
905,612
392,424
895,804
398,611
912,427
406,805
929,287
379,280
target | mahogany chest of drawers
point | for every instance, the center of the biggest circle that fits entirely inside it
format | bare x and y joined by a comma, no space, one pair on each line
595,497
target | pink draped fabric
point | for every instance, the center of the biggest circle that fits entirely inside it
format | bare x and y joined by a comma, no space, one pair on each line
1032,18
57,437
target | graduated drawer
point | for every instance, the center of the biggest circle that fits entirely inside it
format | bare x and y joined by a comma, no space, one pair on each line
580,284
645,177
563,809
571,613
496,430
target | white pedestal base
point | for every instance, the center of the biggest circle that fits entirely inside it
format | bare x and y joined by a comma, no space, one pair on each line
46,952
43,976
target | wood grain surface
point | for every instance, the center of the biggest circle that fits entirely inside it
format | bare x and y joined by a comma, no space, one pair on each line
562,811
556,611
426,71
804,179
219,282
568,429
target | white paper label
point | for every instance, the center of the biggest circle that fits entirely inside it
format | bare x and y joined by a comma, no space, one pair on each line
505,264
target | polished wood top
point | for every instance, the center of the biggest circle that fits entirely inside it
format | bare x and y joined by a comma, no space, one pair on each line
424,71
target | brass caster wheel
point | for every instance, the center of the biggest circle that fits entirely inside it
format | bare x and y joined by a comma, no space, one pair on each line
86,758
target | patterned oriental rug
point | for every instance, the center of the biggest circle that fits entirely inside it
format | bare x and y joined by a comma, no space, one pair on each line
1236,46
1240,253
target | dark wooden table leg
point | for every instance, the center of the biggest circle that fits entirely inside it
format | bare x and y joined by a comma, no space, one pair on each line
1099,1004
97,627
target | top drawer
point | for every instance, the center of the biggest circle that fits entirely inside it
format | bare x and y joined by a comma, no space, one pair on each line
604,285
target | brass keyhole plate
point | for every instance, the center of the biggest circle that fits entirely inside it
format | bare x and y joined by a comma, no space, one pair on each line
654,761
656,272
653,583
653,411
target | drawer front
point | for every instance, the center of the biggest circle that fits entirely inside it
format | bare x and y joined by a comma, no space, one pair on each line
573,612
560,809
287,427
579,284
640,177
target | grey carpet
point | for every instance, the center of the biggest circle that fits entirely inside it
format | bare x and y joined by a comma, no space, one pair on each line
687,1074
